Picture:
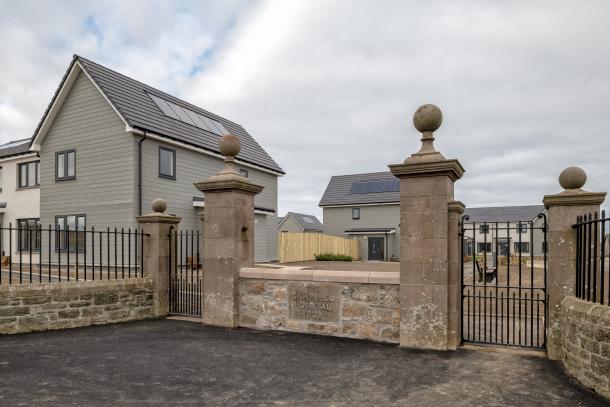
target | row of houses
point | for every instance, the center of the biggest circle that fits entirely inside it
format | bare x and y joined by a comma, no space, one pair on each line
106,146
366,207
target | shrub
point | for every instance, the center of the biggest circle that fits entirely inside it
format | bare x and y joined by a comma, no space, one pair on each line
332,257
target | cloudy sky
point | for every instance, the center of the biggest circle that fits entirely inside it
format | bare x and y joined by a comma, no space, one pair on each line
330,87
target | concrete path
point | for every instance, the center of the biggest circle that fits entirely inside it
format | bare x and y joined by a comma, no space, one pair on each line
182,363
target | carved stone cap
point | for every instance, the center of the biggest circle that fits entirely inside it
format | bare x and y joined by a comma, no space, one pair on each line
456,206
229,178
572,179
158,206
158,218
217,185
452,168
574,198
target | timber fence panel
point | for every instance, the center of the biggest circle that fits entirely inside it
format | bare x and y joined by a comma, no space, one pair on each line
294,247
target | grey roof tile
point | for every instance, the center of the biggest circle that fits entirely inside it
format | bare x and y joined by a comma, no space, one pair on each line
300,218
503,213
338,190
15,147
131,99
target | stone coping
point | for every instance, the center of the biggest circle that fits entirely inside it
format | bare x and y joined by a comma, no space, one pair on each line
363,277
71,285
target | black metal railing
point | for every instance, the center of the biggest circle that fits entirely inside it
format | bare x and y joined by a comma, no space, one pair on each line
37,254
186,273
592,257
504,273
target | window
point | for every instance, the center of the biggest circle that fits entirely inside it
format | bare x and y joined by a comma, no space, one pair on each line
522,227
70,233
355,213
484,228
65,165
243,173
483,247
167,163
29,174
28,234
523,247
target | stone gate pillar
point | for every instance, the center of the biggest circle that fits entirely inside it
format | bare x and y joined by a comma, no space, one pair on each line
228,237
429,276
562,210
156,252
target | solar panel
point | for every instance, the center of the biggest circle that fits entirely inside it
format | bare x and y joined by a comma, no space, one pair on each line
374,187
188,116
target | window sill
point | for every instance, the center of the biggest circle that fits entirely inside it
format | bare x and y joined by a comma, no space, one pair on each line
167,177
65,179
26,188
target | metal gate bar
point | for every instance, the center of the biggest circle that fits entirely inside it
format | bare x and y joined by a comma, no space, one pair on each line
501,304
186,273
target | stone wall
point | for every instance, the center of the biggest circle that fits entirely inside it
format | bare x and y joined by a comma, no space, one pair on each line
353,304
39,307
585,342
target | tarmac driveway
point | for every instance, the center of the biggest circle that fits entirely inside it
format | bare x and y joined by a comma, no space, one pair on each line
167,362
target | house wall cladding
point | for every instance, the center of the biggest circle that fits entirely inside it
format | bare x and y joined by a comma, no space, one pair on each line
366,311
338,220
585,341
105,184
39,307
178,193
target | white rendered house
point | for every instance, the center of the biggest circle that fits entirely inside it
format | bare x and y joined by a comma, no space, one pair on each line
19,201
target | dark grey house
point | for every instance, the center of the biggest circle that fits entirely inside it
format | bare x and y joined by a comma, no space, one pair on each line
300,223
109,145
365,207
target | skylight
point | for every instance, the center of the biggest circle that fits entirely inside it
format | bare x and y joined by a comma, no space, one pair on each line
307,219
188,116
373,187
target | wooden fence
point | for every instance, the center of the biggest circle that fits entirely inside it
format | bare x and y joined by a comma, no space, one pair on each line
304,246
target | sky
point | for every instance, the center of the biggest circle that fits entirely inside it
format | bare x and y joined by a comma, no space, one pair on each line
330,87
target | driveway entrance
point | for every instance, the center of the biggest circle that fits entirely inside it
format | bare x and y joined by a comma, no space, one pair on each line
164,362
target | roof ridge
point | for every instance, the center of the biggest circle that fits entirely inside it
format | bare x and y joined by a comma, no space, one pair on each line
163,93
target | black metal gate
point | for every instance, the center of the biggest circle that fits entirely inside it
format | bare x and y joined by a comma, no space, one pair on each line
504,273
186,273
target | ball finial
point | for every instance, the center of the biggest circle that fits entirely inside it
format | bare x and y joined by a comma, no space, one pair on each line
427,118
229,145
572,178
159,205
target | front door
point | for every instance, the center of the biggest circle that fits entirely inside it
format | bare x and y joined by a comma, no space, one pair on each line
376,248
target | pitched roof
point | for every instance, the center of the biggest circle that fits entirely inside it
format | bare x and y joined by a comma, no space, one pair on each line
15,147
307,222
133,101
503,213
368,188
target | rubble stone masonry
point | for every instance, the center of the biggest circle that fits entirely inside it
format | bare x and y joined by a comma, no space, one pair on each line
347,304
40,306
585,342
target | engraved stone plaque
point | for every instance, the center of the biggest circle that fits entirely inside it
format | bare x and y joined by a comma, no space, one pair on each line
314,301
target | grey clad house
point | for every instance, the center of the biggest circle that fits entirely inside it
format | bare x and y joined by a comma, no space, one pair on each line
109,145
300,223
365,207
